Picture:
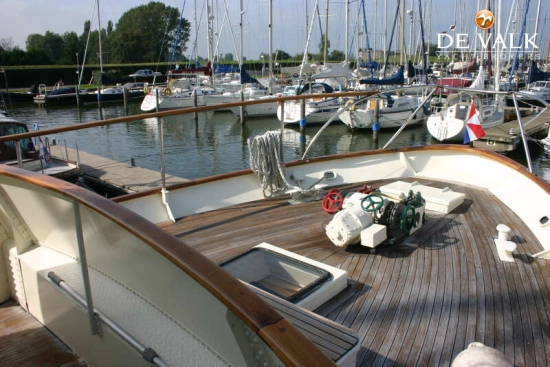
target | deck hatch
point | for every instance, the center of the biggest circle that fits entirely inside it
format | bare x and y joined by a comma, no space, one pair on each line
278,274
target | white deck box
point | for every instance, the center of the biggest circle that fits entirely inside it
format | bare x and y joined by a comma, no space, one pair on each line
439,200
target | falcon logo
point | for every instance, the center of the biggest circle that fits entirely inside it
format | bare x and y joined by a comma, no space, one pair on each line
484,19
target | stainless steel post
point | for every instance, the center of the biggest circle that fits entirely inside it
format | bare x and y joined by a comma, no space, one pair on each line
94,326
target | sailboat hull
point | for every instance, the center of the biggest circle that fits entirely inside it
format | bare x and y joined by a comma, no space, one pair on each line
176,100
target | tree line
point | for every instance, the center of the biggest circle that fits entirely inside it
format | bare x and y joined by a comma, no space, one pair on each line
148,33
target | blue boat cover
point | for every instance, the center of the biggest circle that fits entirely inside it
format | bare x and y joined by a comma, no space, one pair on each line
397,79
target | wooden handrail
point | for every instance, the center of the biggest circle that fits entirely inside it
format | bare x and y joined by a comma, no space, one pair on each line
291,346
178,111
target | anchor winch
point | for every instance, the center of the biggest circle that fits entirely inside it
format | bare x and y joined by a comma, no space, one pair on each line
371,217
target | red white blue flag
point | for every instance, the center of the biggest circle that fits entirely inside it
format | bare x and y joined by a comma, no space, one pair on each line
44,153
473,129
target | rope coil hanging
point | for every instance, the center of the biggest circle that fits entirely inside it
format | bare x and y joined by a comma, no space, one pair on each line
267,162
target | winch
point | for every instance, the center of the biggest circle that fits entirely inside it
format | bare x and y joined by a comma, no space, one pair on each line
372,218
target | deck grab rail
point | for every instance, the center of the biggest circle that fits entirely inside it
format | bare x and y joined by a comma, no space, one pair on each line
147,353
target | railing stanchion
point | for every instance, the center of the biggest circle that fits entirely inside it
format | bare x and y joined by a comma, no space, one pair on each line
94,325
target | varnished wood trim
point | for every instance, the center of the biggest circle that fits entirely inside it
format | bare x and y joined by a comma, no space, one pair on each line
285,337
178,111
281,336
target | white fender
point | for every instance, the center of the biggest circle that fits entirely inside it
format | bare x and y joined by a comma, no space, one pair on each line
478,354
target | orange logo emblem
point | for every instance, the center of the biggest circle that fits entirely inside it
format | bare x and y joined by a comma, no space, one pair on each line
484,19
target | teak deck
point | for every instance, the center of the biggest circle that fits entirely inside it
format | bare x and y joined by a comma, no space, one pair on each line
24,342
417,303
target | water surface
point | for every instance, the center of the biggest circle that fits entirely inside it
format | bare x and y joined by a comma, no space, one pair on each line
217,143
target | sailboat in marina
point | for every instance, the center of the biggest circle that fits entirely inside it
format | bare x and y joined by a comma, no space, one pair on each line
183,88
250,88
317,109
390,111
449,123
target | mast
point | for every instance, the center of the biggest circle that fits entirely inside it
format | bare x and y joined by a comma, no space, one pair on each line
402,57
515,65
385,36
536,28
210,38
489,53
100,49
346,42
424,51
210,34
498,47
304,59
326,35
241,12
307,20
270,46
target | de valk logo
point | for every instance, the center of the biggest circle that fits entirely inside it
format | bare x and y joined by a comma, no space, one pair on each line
484,19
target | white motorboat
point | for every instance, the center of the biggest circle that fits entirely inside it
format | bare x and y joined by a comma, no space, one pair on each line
35,155
534,93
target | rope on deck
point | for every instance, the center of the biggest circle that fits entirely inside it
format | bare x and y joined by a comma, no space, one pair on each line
267,162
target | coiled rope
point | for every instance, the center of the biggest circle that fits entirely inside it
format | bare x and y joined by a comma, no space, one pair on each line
267,162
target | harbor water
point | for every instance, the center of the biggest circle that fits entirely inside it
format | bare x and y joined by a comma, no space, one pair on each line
216,142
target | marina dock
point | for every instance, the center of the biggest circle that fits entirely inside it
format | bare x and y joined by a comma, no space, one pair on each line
507,136
121,177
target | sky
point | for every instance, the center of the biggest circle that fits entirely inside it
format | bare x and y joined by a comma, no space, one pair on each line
20,18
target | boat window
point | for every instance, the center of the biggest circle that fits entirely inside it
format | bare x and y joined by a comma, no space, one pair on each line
278,274
9,146
317,89
290,90
461,112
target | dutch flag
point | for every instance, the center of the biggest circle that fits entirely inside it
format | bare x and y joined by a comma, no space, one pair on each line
473,129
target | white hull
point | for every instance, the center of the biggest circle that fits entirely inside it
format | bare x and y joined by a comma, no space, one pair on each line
448,125
232,97
315,112
452,129
257,110
217,99
177,99
389,117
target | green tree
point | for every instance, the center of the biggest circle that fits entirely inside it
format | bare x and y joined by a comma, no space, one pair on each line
35,42
35,55
281,55
53,46
71,46
147,33
336,55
